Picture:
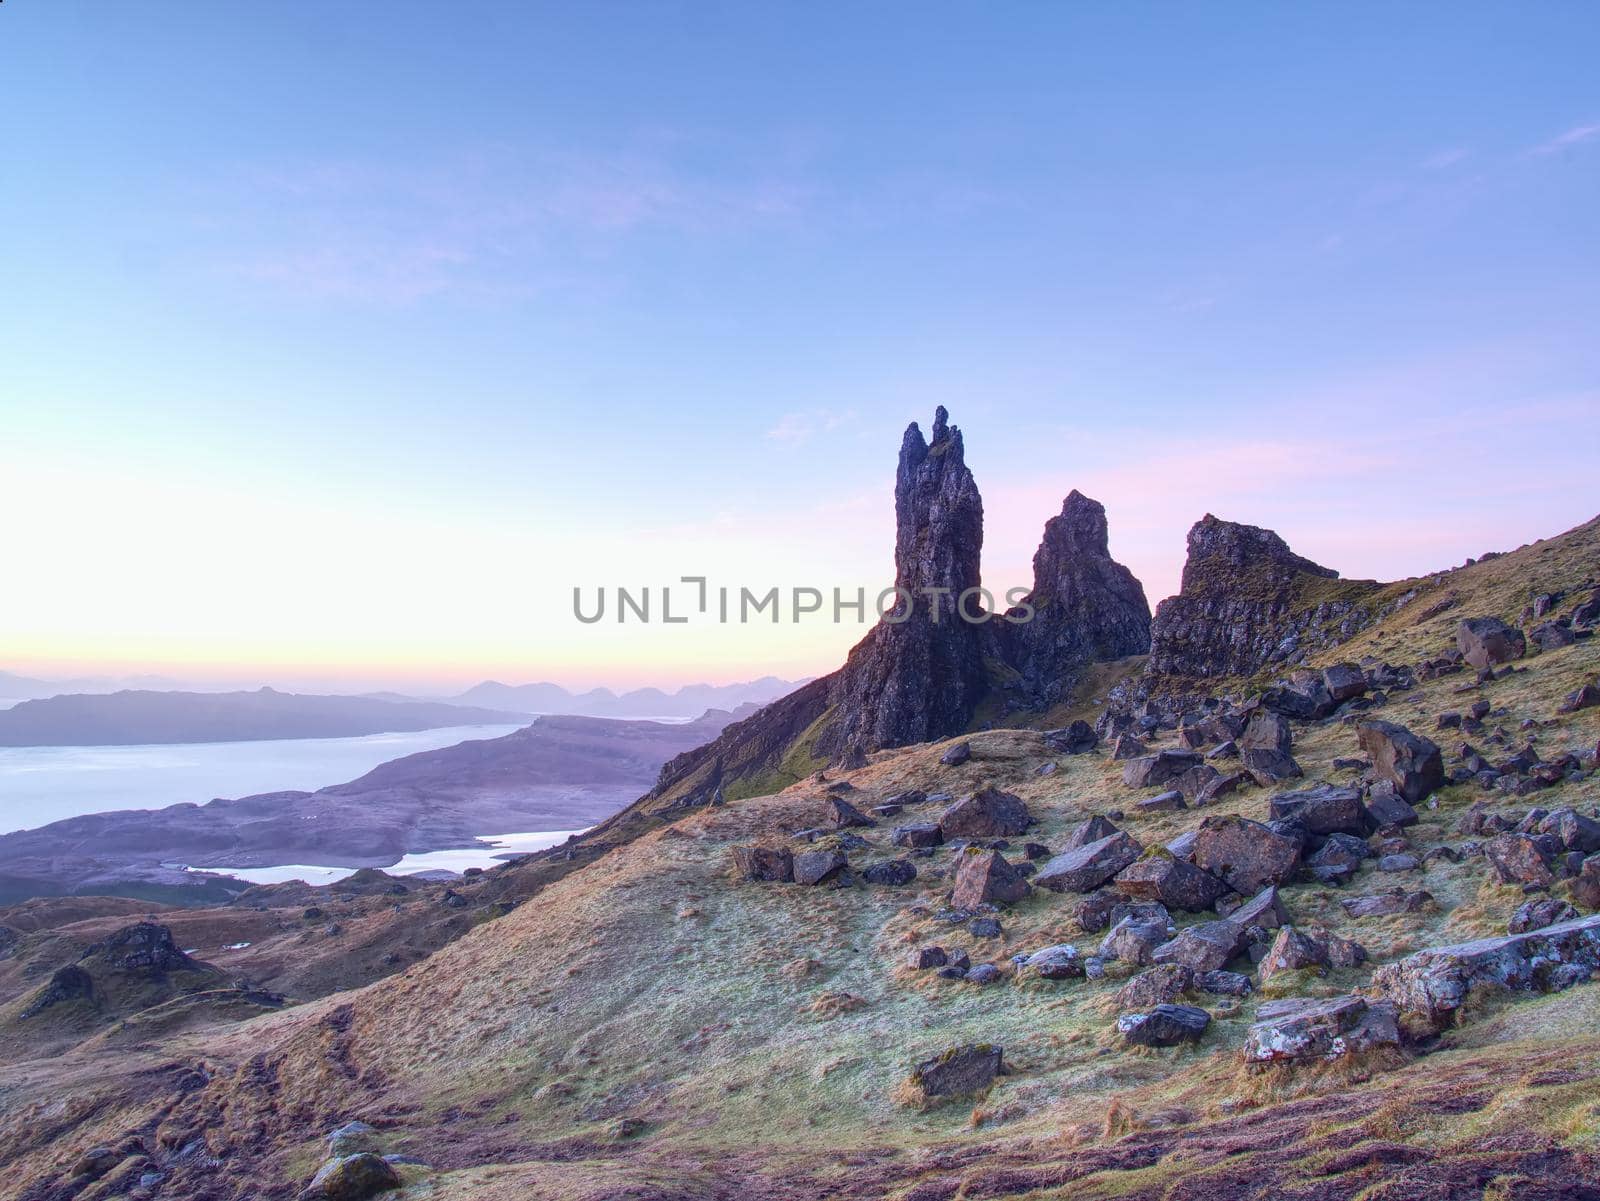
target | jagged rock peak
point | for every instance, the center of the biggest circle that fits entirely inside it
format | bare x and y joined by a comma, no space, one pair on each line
1087,606
1231,546
938,514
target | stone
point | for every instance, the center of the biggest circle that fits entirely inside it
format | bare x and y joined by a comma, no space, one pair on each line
1166,802
818,867
1430,986
1339,858
1224,983
1224,750
1486,642
1222,786
1150,771
1088,867
353,1138
925,958
890,872
991,813
984,877
1164,1026
1386,807
841,814
1572,830
1127,747
1093,913
1194,781
1520,859
773,864
957,755
1269,767
1300,1029
983,973
984,927
353,1178
1204,947
1396,900
1265,909
1551,636
1266,730
1132,941
1244,854
1155,986
1408,761
1323,809
1305,698
1343,952
913,835
1536,915
1586,697
961,1071
1292,950
1091,830
1060,962
1404,862
1344,682
1182,847
1076,739
1176,884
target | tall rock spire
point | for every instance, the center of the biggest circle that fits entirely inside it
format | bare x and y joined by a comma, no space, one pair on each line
921,678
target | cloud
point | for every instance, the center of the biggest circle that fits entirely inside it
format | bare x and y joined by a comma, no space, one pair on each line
1572,137
801,427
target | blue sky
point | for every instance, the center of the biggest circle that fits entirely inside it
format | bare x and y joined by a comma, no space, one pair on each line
341,341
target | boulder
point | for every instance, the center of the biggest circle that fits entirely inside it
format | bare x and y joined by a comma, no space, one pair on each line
957,755
773,864
1551,636
1521,859
1134,941
1166,802
818,867
1268,731
1386,807
1195,781
1176,884
1536,915
1075,739
1267,766
1572,830
1303,1029
1344,682
1290,951
926,958
1087,867
1306,699
1127,747
1486,642
1155,986
1586,697
1224,984
915,835
1164,1026
353,1178
890,872
984,877
1339,858
1430,986
1222,786
1152,770
1408,761
962,1071
353,1138
1244,854
1054,963
1265,909
1383,904
1322,809
991,813
1205,947
1091,830
841,814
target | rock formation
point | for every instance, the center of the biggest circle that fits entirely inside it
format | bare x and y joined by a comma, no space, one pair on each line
1248,602
1087,607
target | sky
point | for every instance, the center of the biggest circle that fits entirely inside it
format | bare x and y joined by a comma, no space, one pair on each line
340,343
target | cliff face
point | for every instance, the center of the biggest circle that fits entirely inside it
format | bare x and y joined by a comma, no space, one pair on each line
1248,603
1087,607
921,678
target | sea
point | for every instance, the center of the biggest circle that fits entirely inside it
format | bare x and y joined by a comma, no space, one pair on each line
39,785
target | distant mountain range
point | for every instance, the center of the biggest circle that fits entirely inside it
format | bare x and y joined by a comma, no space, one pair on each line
688,701
134,718
15,687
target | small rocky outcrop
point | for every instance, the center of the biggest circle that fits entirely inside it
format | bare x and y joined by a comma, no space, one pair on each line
1430,986
70,983
1247,603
